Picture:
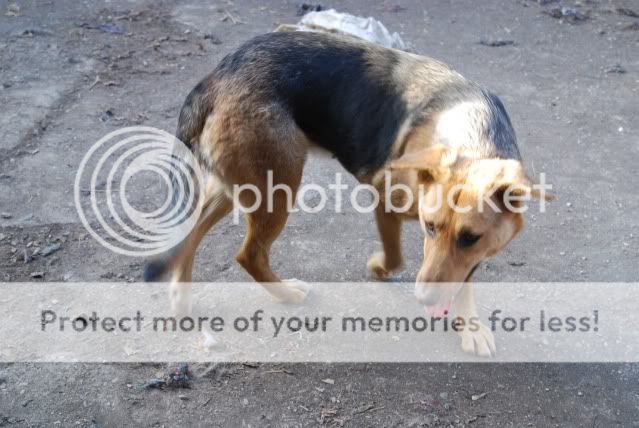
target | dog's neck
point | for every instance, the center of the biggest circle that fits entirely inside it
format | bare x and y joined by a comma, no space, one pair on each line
478,129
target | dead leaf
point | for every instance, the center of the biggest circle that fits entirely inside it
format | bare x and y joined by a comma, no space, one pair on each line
326,414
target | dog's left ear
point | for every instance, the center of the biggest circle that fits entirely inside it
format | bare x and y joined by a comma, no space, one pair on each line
431,164
514,182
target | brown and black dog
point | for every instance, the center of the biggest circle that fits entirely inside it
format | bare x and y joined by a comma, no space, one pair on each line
380,112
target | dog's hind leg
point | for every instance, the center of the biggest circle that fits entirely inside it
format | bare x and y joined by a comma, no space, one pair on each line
263,227
259,152
216,205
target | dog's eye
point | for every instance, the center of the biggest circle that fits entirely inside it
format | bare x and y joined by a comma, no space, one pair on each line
467,239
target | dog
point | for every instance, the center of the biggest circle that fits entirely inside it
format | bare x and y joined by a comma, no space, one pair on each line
381,113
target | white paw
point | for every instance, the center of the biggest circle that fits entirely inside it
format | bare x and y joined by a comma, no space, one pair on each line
375,266
293,291
480,342
378,268
181,301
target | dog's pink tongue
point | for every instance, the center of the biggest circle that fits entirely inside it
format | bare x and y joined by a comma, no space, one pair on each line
438,311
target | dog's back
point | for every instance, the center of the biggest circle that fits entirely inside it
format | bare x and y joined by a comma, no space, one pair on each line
352,98
337,90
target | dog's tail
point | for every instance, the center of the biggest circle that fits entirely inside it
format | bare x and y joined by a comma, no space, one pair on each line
155,269
196,108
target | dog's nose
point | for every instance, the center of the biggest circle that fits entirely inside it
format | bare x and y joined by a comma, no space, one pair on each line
426,294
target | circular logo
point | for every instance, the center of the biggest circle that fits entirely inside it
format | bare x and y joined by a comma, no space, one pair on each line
120,175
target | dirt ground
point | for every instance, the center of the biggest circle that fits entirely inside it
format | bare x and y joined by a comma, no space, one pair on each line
73,71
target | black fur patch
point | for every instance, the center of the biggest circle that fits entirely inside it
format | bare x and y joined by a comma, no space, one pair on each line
342,100
501,131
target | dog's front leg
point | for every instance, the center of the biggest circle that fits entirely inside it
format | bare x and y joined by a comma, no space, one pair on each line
389,226
181,291
476,338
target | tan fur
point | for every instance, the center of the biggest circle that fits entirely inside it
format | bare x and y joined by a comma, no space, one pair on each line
420,76
446,268
443,262
241,154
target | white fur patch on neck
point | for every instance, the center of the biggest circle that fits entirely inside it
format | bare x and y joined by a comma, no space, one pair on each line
461,125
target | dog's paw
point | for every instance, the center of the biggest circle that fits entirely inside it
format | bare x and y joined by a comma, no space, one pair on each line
375,266
480,342
294,291
378,267
181,300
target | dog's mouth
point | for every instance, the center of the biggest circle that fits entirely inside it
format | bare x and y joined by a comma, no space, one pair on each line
439,310
472,271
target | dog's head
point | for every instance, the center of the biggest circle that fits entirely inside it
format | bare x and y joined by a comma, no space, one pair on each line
469,209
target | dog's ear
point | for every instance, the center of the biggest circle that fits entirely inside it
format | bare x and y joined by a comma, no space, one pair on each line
431,163
545,195
513,185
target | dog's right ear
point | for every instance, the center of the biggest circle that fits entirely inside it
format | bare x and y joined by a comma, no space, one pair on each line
432,164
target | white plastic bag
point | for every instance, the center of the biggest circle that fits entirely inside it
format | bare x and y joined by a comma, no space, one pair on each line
332,21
